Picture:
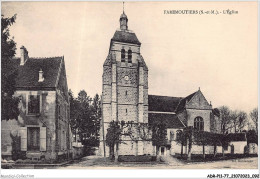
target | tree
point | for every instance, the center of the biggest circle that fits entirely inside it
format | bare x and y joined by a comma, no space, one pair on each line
252,137
85,117
180,139
225,119
188,132
242,121
254,117
234,120
202,138
9,109
113,137
159,135
96,112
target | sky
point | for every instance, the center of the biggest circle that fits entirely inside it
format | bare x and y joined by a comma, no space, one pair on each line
183,52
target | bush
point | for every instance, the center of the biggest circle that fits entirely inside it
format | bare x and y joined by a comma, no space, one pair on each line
92,141
88,150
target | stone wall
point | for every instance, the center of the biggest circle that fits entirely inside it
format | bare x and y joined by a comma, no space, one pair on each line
239,146
193,113
124,94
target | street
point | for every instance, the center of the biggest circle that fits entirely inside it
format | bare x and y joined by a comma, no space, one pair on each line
93,162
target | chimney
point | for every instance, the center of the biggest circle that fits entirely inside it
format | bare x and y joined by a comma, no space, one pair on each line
41,79
24,55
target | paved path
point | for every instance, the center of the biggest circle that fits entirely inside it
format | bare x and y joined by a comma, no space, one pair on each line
94,162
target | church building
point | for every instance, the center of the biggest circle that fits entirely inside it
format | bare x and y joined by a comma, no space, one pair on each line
125,98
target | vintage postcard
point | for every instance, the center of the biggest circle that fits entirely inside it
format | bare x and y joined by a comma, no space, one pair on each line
129,85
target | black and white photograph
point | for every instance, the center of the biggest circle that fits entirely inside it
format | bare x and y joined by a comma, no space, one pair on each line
129,85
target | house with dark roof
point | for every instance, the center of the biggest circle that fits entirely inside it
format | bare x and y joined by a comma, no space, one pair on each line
43,123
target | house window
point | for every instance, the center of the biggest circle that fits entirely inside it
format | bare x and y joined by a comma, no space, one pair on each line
126,93
199,124
123,55
33,138
129,56
171,135
126,111
178,135
34,104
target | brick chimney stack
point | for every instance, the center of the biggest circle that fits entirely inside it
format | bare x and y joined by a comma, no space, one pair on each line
24,55
41,78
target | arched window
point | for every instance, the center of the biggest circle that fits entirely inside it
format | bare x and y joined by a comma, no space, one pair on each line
123,55
199,124
129,56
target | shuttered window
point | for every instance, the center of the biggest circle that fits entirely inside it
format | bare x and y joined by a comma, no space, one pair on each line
43,139
23,134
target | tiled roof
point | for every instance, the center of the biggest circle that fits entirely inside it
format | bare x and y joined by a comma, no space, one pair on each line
183,102
171,120
125,36
28,74
163,103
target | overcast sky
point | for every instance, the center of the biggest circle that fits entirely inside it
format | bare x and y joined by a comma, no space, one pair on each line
217,53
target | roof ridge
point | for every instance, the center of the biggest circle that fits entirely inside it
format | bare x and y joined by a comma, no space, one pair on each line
46,57
164,96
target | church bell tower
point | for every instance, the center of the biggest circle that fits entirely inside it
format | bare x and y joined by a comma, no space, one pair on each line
125,87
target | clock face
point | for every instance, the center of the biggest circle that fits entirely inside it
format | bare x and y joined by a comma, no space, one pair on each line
126,78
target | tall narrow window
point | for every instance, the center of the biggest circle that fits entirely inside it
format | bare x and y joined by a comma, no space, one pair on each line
126,93
126,111
171,135
34,104
129,56
123,55
199,124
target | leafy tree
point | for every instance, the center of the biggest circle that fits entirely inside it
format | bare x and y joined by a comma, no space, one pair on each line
9,109
85,117
188,133
96,112
254,117
180,139
252,137
113,137
159,135
202,138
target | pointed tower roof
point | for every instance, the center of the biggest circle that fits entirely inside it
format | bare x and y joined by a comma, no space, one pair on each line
123,15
